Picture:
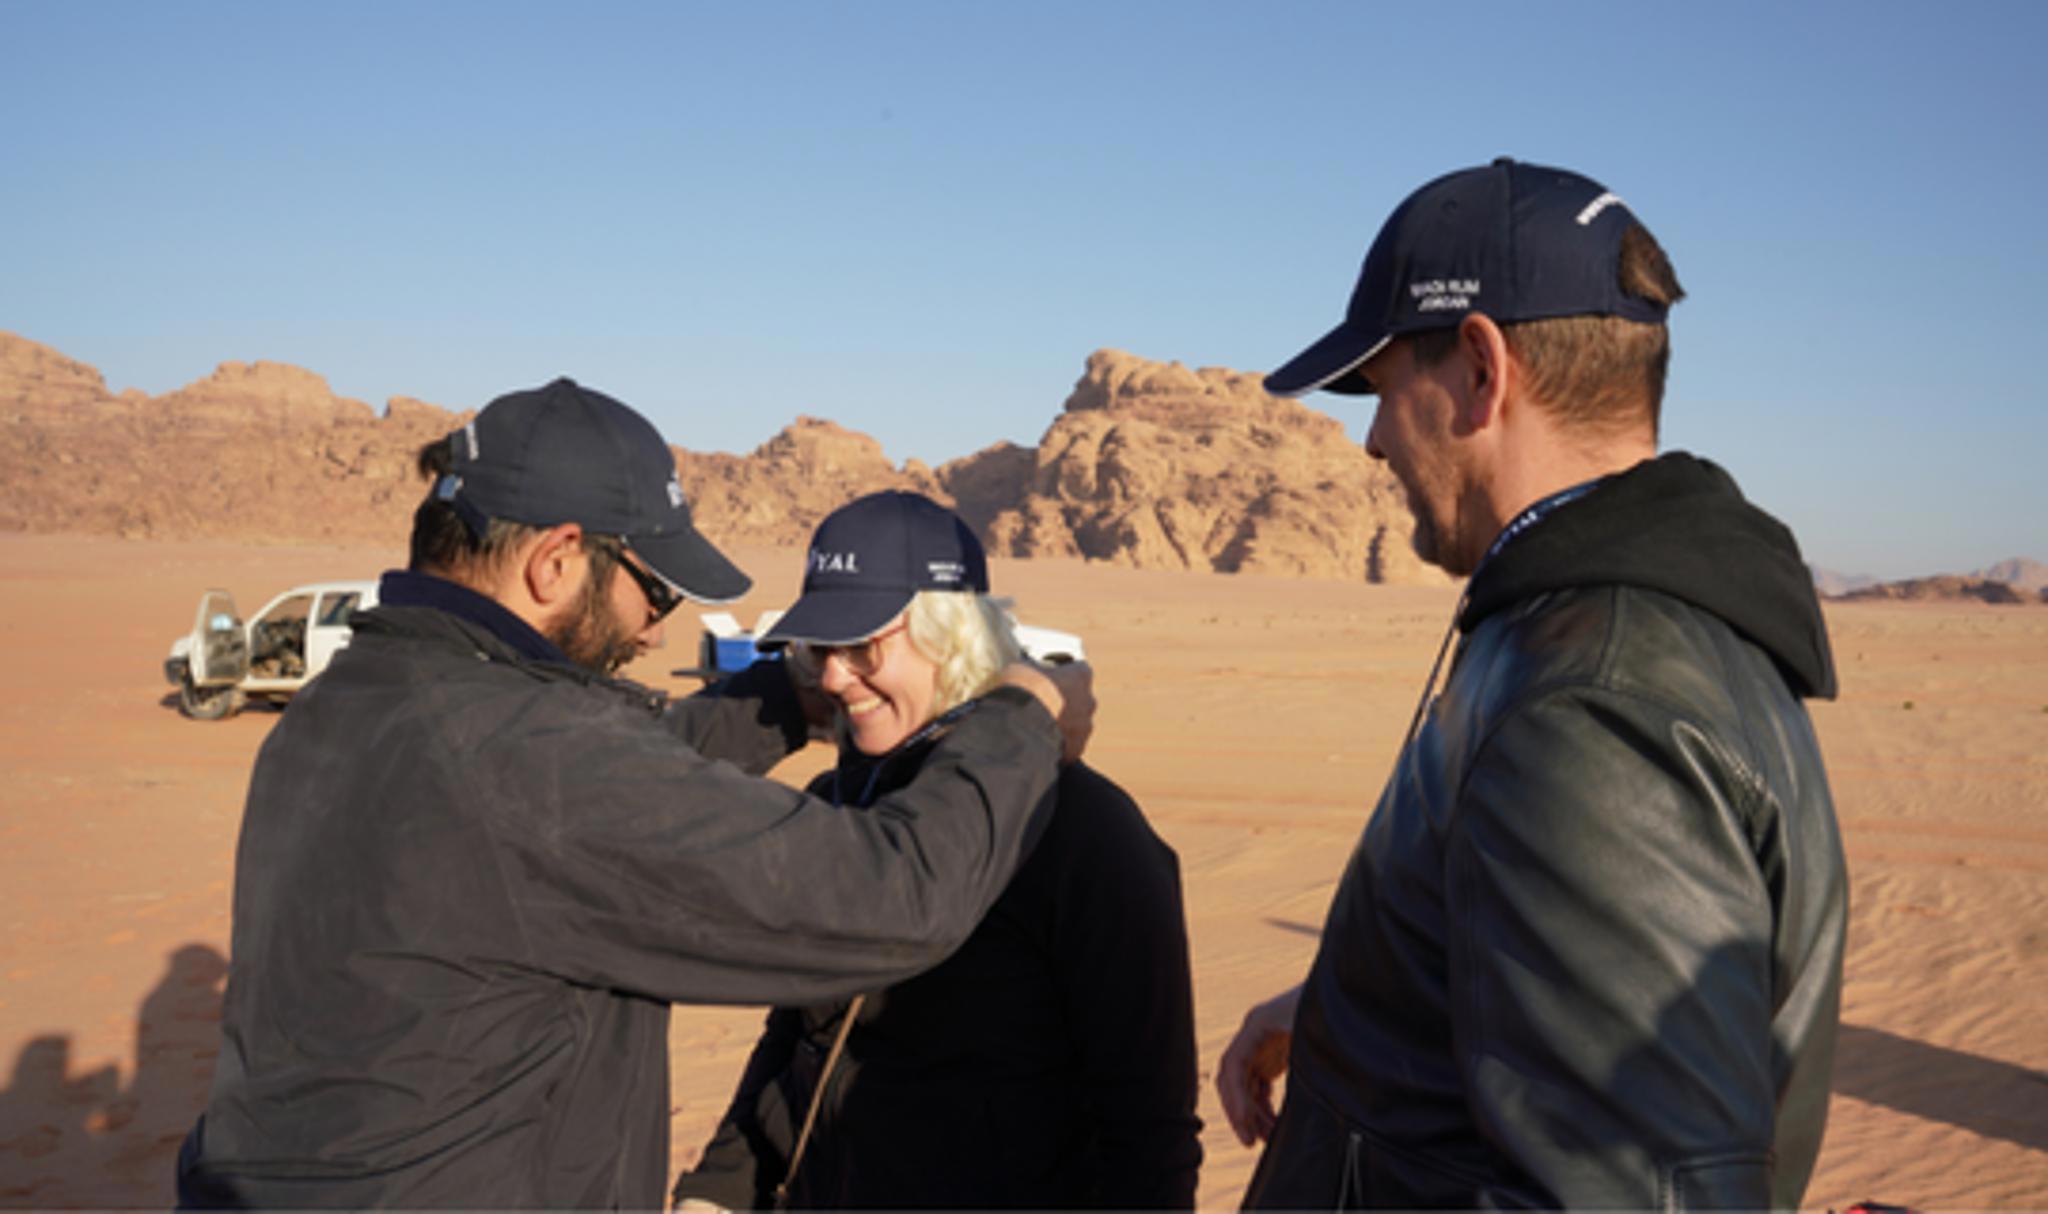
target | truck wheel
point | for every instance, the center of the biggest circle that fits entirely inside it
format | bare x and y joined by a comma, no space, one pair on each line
208,703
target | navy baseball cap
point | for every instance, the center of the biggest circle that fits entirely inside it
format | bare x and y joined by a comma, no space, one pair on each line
869,558
1514,241
563,453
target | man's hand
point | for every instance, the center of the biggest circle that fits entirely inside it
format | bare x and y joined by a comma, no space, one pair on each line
1068,693
1252,1061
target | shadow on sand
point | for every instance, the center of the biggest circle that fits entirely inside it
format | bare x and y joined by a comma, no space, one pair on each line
1299,929
83,1139
1981,1095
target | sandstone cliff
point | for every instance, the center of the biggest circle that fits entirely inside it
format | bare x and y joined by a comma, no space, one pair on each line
1160,467
258,451
779,492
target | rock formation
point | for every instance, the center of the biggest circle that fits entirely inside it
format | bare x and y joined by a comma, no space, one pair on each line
2019,572
258,451
779,492
37,381
1149,465
2018,580
1949,588
1160,467
1833,585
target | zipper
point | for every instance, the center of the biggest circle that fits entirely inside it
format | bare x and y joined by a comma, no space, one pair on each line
1351,1186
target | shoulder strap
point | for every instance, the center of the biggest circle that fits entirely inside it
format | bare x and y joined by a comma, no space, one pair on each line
803,1137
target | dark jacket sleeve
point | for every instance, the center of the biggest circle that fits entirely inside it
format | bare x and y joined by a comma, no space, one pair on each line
752,720
1122,948
1610,957
637,864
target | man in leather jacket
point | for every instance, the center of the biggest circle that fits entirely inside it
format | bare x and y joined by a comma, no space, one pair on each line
475,869
1588,951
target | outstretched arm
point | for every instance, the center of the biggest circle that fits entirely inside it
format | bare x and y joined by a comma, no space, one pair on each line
663,873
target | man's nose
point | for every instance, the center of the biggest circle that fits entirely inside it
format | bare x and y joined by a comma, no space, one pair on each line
1372,438
654,635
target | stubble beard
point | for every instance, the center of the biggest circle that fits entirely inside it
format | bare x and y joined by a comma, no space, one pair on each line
1434,538
1424,538
1427,536
593,638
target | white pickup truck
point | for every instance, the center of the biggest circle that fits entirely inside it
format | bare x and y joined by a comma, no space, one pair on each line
224,663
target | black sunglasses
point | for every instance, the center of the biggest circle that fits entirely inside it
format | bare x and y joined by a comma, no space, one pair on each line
659,595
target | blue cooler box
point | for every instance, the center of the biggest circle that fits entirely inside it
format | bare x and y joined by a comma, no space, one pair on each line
733,653
730,655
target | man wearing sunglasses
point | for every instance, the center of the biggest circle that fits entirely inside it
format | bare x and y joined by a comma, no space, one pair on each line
475,869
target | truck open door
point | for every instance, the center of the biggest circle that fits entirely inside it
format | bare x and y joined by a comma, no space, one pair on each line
220,648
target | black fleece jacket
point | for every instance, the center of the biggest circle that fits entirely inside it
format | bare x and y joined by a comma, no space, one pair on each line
1050,1063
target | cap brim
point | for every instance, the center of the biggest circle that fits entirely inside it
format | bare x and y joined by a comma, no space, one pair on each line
687,561
1330,365
838,617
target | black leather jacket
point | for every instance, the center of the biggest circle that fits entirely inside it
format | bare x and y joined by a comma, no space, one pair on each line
1588,952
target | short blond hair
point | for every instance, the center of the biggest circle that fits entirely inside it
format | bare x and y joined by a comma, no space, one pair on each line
1598,374
968,636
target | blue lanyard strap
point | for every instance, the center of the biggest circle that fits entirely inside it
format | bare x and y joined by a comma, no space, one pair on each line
1535,514
928,730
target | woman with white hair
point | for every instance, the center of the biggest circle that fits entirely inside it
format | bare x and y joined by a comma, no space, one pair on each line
1050,1062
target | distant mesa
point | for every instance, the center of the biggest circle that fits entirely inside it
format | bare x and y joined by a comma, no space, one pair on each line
1834,585
1950,588
2020,573
2014,581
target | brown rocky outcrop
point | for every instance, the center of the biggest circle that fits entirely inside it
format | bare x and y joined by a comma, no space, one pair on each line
990,481
779,492
239,395
36,379
1949,588
1162,467
2018,572
259,451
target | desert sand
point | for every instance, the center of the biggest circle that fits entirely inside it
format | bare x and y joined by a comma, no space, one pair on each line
1254,719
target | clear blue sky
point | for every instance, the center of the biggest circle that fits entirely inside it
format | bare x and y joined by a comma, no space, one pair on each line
919,219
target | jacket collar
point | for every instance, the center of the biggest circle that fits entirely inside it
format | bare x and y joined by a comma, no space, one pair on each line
405,588
1679,525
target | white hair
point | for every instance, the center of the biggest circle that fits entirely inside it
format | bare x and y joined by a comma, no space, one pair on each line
968,636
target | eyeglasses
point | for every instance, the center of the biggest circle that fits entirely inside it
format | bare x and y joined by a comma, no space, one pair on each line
863,658
660,597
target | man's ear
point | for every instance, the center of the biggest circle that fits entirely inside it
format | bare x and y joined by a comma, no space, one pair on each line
1489,368
555,565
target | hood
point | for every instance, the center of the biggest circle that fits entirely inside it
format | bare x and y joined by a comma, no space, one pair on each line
1679,525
